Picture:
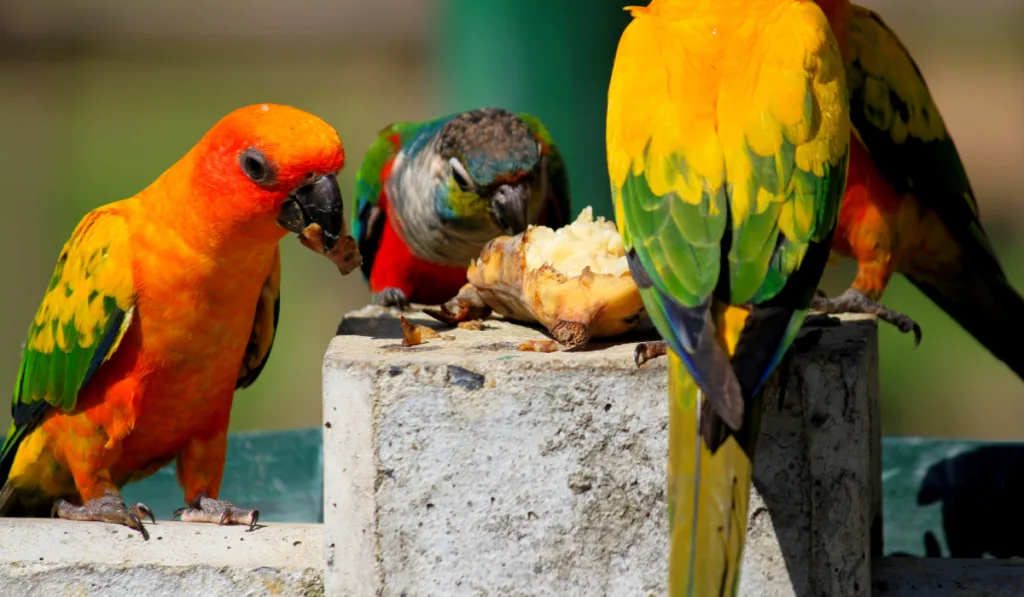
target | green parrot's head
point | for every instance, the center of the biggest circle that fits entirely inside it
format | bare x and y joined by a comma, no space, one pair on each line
494,170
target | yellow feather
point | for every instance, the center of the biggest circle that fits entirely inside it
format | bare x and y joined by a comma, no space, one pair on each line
682,109
44,341
709,525
35,466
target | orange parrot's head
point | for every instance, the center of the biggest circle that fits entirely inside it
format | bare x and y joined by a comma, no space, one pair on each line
270,169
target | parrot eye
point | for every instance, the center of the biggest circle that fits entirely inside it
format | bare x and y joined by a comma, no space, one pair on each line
256,166
460,175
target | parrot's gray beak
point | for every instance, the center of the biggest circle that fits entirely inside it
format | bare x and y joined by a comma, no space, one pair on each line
316,202
510,207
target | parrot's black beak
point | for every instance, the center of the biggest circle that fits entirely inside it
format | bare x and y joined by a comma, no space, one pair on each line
510,207
316,202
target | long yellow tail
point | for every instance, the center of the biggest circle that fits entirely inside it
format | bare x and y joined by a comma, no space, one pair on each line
708,496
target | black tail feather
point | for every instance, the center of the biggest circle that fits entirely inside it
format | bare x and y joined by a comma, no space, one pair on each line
984,303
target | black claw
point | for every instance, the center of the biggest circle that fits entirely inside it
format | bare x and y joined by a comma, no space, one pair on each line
195,504
902,322
638,354
138,526
142,511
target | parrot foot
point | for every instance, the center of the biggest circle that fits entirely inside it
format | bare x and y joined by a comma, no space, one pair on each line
854,301
648,351
392,297
204,509
108,508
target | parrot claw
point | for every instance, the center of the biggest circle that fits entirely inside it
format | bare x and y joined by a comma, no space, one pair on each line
392,297
648,351
855,301
205,509
108,508
142,512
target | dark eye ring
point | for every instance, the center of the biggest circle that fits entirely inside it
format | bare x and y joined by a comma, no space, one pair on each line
256,166
459,175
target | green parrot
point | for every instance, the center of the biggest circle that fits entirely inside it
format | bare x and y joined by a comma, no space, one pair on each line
429,195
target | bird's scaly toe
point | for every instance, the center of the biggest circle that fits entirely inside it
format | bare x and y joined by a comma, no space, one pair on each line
205,509
108,508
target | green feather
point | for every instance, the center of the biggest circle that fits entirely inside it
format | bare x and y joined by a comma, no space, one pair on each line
681,240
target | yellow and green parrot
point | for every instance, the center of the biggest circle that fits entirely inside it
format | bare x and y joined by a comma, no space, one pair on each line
728,135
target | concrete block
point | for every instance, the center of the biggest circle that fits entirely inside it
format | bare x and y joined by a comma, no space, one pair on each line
42,557
948,577
465,467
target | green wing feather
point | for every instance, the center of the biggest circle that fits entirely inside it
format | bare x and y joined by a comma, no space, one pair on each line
84,314
368,181
895,116
558,176
367,217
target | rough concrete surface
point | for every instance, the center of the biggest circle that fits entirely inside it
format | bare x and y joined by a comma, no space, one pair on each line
57,557
465,467
948,577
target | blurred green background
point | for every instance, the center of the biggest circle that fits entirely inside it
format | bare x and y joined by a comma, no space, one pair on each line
98,98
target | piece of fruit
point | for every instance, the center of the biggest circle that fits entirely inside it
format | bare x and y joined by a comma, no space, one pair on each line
575,280
345,253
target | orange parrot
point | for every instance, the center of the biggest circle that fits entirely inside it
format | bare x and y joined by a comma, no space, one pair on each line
161,306
909,207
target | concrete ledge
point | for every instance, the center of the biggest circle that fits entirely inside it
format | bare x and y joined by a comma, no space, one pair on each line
54,557
465,467
948,577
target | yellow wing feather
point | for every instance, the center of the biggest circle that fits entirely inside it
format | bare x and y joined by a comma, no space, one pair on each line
85,312
84,268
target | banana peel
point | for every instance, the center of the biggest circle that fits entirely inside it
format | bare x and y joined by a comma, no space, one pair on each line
574,281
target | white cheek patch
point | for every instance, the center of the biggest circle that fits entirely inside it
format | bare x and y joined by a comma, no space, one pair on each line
457,168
